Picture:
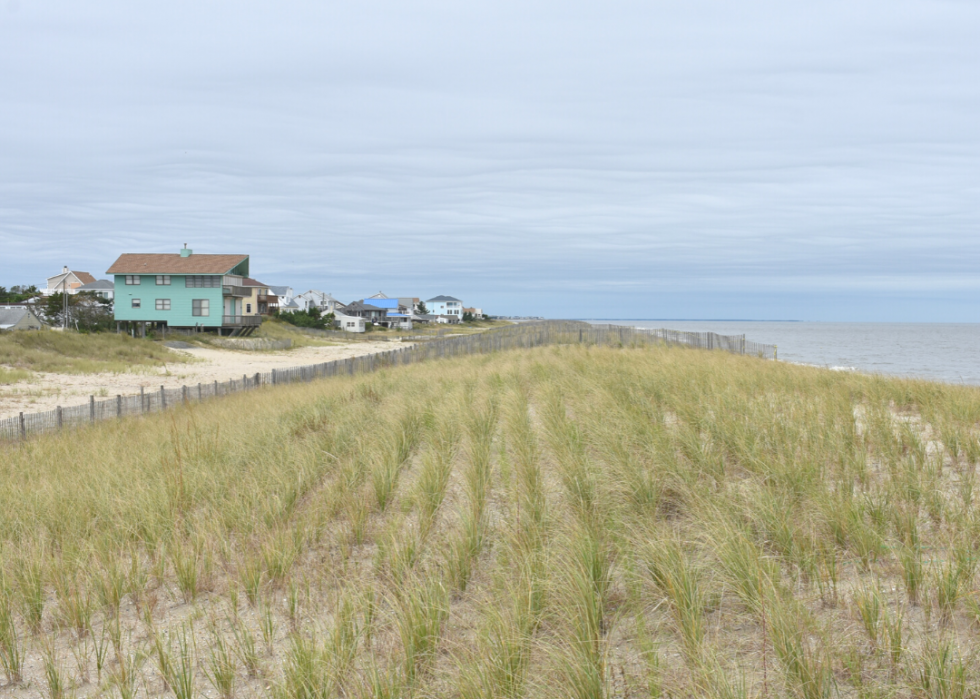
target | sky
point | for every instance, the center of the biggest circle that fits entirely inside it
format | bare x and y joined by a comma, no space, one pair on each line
697,159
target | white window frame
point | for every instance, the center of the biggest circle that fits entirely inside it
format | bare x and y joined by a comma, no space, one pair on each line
163,280
162,304
132,280
136,303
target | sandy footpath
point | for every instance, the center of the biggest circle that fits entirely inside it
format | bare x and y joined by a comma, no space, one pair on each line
47,391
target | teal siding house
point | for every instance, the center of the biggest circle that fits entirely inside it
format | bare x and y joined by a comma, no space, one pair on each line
184,290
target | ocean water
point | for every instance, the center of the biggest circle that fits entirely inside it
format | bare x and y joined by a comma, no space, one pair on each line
947,352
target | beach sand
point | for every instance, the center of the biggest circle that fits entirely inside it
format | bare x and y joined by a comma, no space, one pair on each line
47,391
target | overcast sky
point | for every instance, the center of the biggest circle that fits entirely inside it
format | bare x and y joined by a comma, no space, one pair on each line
696,159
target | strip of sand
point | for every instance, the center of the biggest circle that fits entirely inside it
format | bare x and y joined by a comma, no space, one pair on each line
47,391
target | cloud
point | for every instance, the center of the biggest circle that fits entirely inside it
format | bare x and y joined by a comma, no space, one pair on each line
535,157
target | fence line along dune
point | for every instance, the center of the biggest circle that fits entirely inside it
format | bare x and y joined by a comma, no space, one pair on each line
349,361
557,520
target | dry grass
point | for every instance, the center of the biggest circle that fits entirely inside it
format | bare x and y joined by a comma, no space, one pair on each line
275,329
9,376
582,522
73,353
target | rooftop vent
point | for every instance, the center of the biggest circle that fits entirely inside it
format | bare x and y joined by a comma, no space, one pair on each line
186,252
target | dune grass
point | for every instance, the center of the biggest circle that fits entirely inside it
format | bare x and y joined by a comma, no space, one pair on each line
275,329
9,376
568,521
74,353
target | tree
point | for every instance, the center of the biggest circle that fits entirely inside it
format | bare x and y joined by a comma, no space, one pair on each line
468,317
92,313
87,312
54,307
17,293
421,309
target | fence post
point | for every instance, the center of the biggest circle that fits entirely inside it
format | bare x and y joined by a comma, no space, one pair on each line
163,398
258,379
23,427
91,408
200,394
273,377
58,411
142,401
244,382
216,388
183,390
118,405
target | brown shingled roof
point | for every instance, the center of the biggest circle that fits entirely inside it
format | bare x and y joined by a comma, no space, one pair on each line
84,277
158,263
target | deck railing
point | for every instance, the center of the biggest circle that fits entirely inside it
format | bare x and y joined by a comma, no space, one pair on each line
241,321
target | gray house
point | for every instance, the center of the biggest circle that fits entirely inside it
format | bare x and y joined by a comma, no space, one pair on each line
12,318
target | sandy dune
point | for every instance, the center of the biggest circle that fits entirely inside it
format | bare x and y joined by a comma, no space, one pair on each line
47,391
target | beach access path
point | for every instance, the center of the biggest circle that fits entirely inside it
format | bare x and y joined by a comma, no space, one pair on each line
45,391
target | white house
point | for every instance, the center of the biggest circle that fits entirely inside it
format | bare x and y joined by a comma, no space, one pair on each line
67,281
284,295
350,324
325,302
445,306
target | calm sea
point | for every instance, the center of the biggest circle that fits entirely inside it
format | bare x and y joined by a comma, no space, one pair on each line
940,351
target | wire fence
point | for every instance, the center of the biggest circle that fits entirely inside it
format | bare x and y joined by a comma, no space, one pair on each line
524,335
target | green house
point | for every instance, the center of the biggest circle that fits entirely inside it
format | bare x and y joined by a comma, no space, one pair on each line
183,290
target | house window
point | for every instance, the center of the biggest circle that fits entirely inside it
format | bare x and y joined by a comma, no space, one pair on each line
248,308
201,307
132,280
163,304
163,280
202,281
136,303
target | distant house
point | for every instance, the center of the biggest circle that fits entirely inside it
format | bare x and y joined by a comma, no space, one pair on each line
67,282
448,306
283,295
367,311
477,313
13,318
396,316
350,324
406,304
409,303
290,307
325,303
183,290
257,301
103,288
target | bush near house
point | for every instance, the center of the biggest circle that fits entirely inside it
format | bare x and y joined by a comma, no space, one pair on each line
310,318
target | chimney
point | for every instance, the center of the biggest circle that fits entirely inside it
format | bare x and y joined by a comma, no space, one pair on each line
64,270
185,252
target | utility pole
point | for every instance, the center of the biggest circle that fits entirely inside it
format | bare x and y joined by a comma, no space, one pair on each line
64,301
